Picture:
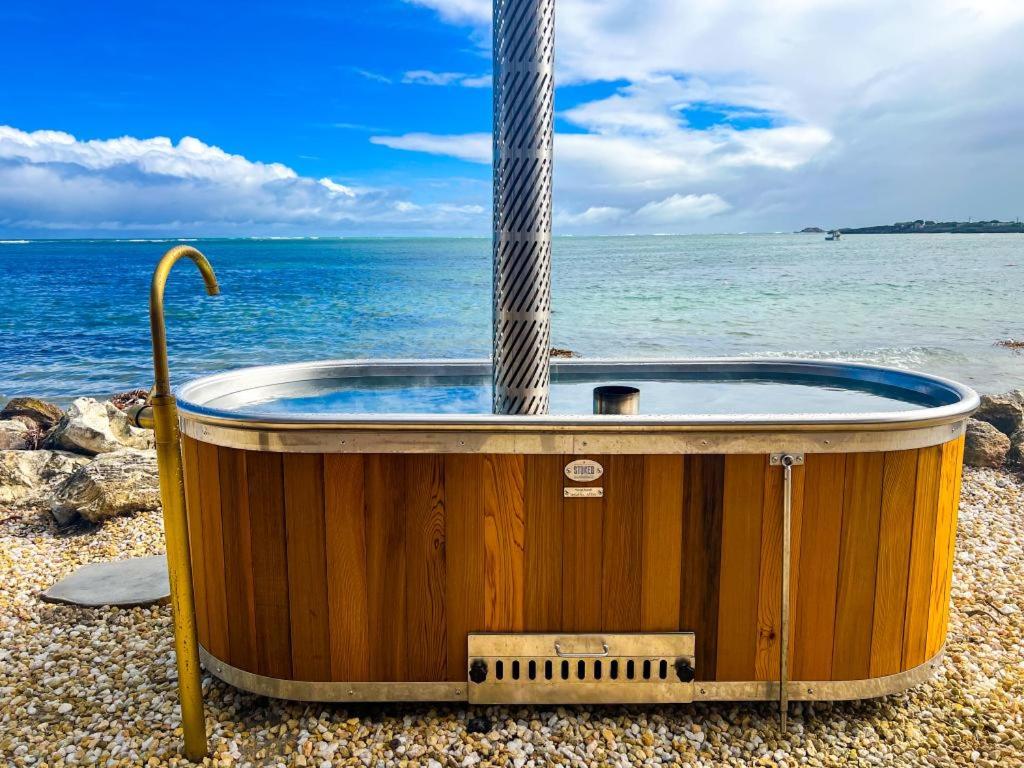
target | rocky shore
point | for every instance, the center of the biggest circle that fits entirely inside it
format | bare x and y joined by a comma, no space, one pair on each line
97,686
88,462
995,435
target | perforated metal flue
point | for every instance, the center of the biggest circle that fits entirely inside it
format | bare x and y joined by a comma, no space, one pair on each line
524,90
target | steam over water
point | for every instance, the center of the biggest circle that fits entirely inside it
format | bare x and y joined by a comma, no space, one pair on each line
73,313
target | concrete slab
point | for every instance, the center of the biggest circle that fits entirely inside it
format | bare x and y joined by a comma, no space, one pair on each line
122,583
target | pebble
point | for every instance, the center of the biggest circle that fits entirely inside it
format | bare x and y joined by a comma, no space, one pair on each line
96,687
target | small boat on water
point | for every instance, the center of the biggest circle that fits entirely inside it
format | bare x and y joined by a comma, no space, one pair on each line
835,234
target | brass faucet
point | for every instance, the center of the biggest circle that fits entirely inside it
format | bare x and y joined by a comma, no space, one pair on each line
160,413
156,308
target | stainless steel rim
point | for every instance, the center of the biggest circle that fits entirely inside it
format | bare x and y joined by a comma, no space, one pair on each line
755,690
299,690
194,395
343,438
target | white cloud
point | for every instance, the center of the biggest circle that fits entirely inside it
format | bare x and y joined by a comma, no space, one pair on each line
470,210
375,76
639,164
52,181
481,81
188,159
820,44
676,212
474,147
428,77
872,110
831,112
679,209
595,216
459,11
337,188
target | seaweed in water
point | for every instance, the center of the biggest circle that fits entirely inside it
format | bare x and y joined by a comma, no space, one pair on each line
1013,344
557,352
123,400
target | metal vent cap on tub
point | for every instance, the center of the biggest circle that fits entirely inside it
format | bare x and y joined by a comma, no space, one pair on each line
643,668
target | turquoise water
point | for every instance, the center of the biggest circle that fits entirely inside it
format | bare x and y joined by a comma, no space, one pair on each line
73,314
659,395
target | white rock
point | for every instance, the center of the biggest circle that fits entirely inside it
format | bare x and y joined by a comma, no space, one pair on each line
92,427
30,475
112,484
15,436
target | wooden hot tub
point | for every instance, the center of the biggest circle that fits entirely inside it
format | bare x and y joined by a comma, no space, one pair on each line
342,554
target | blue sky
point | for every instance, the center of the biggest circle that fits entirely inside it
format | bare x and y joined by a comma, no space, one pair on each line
273,81
372,117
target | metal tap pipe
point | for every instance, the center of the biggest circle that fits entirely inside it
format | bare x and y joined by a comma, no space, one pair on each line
787,461
161,412
157,327
787,538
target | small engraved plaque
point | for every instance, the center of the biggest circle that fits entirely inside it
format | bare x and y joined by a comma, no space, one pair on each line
584,493
583,471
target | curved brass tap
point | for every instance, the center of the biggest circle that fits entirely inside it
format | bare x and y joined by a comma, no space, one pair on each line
160,413
161,375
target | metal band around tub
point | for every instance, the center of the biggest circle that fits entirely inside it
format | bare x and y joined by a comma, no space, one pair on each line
342,437
754,690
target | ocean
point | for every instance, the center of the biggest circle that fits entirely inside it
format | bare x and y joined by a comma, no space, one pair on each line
74,313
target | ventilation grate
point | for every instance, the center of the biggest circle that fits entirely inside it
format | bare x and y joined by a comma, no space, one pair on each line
581,669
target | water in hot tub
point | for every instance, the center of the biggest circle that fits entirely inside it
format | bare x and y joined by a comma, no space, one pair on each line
573,395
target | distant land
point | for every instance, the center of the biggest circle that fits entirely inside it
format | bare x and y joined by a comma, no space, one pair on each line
921,225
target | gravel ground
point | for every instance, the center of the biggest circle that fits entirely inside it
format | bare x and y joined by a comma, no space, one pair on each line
96,687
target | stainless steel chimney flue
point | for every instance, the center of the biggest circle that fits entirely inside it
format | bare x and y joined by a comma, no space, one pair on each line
616,400
524,95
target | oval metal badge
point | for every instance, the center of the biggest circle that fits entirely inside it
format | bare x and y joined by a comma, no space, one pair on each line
583,470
